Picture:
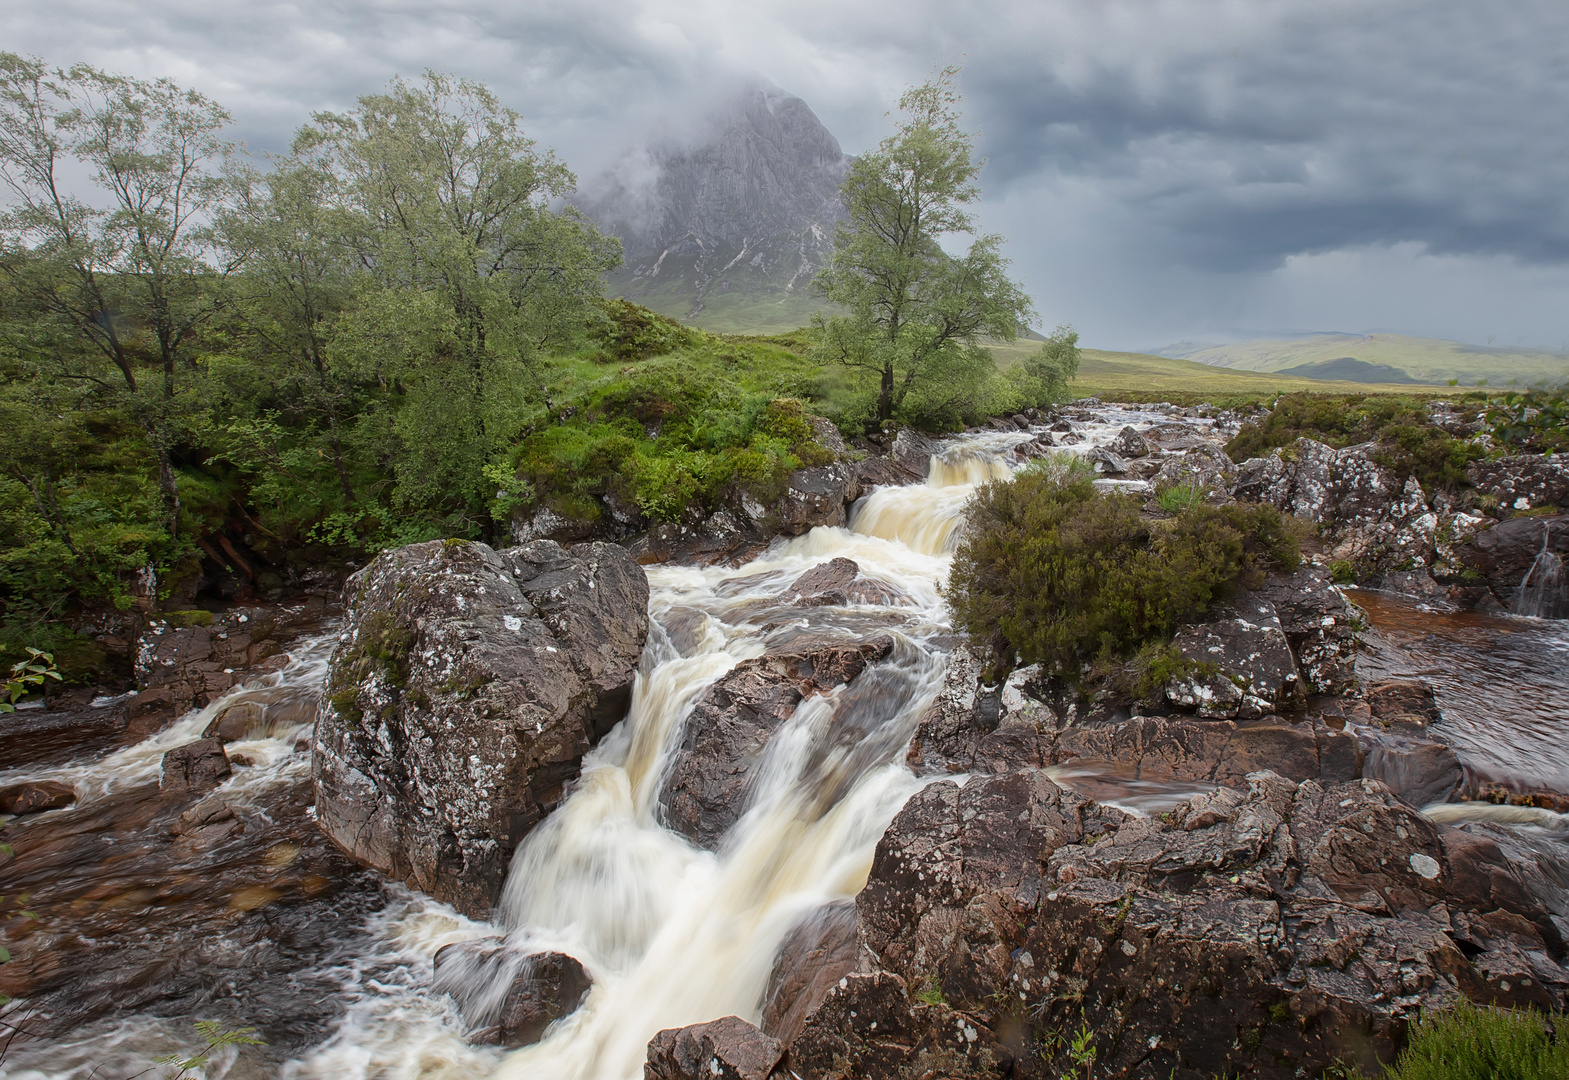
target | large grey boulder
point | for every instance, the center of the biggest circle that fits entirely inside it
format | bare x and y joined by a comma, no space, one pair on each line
465,689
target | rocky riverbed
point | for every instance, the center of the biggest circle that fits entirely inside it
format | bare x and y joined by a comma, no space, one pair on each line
747,809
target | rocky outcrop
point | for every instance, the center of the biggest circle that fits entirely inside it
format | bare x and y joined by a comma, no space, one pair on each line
819,495
1268,930
725,1049
1202,464
466,687
1130,444
1319,623
1522,481
1243,666
186,660
705,791
1501,555
870,1025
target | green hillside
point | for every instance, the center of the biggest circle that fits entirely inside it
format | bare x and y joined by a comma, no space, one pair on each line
1140,376
1428,360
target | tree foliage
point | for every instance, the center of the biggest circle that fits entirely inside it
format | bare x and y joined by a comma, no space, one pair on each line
917,318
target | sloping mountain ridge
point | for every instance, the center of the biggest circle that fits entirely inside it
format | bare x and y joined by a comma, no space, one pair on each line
1427,360
727,230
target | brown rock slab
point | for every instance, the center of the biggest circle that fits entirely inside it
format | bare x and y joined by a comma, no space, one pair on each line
817,952
35,797
196,766
725,1049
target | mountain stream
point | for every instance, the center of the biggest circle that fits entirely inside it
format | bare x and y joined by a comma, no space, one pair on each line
672,934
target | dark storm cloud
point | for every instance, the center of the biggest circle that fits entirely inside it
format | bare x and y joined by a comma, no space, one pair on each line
1199,161
1322,127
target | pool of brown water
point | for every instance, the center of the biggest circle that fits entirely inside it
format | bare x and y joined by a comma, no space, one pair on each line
1502,683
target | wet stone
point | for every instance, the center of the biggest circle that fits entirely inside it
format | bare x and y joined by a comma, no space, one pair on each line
235,722
196,766
725,1049
36,796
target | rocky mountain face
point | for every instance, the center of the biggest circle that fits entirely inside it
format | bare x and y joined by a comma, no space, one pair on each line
738,219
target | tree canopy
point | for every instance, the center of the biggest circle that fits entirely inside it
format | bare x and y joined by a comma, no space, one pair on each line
916,318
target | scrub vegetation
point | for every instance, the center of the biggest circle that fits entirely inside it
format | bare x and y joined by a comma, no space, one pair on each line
1053,572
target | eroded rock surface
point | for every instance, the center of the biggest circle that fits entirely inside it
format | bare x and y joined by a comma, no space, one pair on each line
467,685
705,791
1267,930
725,1049
1246,668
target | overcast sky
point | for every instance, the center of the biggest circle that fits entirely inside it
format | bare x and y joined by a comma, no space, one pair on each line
1163,169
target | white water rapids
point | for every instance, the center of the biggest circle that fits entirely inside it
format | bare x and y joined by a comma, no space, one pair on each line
672,934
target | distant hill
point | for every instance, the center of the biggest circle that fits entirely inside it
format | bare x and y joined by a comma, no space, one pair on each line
1422,360
725,230
1143,376
1348,369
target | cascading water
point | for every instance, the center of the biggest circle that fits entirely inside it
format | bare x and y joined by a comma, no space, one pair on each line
672,934
1542,590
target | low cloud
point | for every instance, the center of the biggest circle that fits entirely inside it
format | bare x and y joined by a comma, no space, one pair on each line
1160,167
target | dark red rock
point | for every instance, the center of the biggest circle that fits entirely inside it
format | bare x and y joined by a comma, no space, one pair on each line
725,1049
36,796
196,766
704,792
817,952
236,722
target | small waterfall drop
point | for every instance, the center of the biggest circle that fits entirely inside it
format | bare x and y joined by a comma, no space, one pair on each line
1542,592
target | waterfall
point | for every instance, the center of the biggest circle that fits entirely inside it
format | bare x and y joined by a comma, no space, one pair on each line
1541,592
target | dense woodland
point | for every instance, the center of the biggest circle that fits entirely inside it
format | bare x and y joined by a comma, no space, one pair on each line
397,331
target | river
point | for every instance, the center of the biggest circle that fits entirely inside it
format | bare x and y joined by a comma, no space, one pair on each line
672,934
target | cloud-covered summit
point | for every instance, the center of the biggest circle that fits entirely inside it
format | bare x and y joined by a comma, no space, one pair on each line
1164,168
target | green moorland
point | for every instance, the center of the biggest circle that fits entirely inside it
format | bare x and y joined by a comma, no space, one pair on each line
1427,360
1142,377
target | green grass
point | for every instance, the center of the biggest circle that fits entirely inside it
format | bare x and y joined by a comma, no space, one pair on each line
1141,377
737,312
1427,360
1471,1043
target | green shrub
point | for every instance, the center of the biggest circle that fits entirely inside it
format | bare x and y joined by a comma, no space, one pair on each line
1053,572
1472,1043
1180,497
1535,421
1410,444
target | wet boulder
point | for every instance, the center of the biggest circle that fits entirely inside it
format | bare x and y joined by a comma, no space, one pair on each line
466,686
546,523
820,949
1267,930
36,796
725,1049
707,786
1243,666
236,722
1130,444
827,579
506,995
196,766
838,581
547,987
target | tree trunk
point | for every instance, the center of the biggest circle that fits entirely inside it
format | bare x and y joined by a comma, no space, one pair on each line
885,395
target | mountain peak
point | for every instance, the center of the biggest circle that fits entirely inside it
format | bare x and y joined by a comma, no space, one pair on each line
737,217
